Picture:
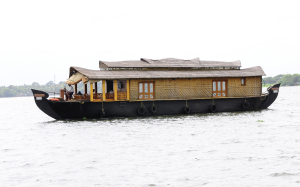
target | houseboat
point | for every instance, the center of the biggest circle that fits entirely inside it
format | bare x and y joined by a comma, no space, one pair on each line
168,86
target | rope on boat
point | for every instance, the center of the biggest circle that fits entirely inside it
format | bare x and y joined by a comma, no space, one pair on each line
186,108
143,106
102,111
153,108
263,97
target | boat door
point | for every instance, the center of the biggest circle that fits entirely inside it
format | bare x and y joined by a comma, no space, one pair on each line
220,88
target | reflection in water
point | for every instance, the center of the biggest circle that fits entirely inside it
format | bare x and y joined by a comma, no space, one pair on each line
255,148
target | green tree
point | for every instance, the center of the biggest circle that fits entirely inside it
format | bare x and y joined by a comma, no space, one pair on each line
296,78
290,80
269,80
273,80
35,85
286,80
50,83
9,92
278,77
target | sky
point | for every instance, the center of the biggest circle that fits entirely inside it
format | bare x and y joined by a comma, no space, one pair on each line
42,39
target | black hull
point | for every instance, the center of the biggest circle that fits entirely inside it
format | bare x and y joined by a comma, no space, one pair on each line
76,110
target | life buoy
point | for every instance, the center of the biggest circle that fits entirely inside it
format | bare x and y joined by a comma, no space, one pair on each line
246,105
54,99
141,110
153,109
213,108
186,109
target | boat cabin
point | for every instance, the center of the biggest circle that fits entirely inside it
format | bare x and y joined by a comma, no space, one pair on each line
166,79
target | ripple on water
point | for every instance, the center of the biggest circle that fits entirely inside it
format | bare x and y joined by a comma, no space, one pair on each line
283,174
259,148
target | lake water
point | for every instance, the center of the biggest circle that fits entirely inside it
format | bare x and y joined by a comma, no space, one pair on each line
258,148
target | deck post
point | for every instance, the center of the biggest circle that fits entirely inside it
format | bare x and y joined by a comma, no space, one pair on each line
128,92
75,88
115,90
91,91
103,90
85,88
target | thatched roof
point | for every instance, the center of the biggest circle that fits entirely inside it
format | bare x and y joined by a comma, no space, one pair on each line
105,75
167,63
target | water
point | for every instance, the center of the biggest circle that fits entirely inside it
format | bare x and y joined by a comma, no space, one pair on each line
259,148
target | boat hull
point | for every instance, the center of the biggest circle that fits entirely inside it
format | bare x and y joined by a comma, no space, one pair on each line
85,109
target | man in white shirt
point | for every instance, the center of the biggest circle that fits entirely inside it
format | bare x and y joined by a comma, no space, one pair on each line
70,92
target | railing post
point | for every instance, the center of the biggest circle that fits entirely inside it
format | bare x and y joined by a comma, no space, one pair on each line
103,90
128,90
85,88
75,88
91,91
115,90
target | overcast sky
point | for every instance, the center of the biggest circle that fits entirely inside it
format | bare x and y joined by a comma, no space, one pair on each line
40,39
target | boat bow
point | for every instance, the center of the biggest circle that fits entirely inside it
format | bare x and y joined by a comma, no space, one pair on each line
270,96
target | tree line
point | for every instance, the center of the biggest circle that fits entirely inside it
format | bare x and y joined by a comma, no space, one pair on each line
284,79
25,90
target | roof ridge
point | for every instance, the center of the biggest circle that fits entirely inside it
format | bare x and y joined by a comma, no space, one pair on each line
168,62
164,60
146,60
108,75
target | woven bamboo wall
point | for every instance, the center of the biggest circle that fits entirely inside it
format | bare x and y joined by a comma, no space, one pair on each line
251,89
197,88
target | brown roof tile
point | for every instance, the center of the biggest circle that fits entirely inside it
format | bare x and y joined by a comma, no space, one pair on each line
167,63
102,74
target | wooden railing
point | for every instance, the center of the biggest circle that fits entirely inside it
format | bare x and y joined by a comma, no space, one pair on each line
122,95
97,96
82,97
109,95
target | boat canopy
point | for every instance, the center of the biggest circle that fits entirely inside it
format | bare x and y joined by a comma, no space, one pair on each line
75,78
97,75
162,69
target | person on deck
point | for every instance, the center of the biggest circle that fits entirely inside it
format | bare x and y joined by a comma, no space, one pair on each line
70,92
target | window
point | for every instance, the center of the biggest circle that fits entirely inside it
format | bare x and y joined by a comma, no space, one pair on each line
214,86
146,90
243,81
141,88
151,87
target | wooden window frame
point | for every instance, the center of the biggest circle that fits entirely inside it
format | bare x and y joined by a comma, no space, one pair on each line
221,89
142,94
244,81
